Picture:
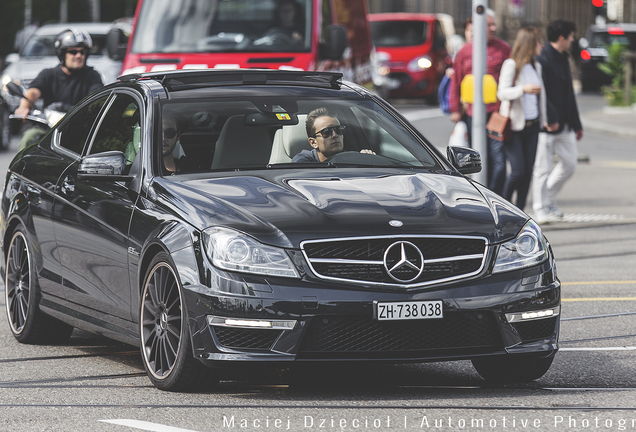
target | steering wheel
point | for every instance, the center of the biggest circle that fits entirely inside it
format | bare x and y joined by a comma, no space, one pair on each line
354,157
277,36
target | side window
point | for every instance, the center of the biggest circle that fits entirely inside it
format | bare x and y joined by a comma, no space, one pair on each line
119,129
75,131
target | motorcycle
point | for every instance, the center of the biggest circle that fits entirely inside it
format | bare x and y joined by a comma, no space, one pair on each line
43,119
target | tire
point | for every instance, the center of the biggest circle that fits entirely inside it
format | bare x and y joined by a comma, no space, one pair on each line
166,348
512,368
5,128
28,324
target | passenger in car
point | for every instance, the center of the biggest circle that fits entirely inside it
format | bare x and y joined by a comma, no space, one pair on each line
171,131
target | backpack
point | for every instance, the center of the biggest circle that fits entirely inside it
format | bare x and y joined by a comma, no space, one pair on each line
443,94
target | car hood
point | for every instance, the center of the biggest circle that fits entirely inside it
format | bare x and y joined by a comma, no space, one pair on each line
285,209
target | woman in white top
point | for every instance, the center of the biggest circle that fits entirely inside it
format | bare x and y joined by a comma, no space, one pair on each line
523,99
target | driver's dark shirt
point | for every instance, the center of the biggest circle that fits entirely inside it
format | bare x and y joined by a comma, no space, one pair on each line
56,86
307,156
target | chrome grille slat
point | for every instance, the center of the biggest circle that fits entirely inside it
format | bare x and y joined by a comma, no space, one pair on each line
361,259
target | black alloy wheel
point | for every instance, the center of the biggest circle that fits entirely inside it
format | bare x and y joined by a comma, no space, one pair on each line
165,337
28,324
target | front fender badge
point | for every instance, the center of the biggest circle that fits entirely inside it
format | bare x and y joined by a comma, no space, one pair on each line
396,223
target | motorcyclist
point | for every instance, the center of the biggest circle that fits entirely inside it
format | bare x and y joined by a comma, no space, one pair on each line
69,82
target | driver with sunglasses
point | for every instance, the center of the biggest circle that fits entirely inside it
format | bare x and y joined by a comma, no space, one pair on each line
69,82
325,136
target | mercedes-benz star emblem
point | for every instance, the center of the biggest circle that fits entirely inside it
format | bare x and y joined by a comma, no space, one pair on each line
403,261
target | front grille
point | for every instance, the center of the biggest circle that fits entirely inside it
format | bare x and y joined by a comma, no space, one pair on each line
365,337
402,77
246,338
367,260
536,329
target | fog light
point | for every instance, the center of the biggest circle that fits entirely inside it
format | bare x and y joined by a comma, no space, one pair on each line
251,323
533,315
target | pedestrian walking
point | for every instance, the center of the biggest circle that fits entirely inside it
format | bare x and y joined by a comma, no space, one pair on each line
564,121
497,52
523,100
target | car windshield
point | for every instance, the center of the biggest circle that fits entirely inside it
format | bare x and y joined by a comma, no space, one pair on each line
606,38
218,134
42,46
180,26
398,33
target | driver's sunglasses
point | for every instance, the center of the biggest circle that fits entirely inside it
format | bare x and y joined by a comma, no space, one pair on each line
328,131
170,133
75,52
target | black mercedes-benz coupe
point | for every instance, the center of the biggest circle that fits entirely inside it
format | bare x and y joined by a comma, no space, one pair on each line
219,218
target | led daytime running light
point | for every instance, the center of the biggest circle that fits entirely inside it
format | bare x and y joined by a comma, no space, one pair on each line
533,315
251,323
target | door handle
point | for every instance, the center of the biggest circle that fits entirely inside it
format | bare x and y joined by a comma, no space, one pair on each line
68,185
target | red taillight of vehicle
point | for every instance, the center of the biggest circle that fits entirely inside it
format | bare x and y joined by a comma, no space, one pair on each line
615,31
597,3
585,55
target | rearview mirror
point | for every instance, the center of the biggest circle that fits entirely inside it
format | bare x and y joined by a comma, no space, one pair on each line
106,166
116,44
337,42
464,159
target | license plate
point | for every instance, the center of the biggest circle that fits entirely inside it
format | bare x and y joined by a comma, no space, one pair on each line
409,310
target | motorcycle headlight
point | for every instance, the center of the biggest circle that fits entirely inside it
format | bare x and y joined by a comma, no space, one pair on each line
419,64
527,249
6,79
231,250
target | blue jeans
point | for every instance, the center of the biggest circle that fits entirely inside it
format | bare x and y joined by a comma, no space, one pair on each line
496,158
521,152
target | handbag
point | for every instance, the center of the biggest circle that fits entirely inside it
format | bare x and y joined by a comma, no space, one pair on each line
498,127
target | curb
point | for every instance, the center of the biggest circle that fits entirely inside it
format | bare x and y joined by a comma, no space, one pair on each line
607,127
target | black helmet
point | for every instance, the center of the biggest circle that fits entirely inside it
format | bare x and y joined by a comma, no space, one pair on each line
72,38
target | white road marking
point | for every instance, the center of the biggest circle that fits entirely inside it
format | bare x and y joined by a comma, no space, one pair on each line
625,348
147,426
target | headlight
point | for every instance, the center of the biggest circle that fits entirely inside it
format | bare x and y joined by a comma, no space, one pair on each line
232,250
6,79
419,64
528,249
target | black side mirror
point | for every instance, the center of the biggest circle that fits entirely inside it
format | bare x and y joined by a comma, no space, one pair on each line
106,166
337,42
116,44
464,159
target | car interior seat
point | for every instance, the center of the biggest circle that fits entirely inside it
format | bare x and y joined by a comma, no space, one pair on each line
289,141
241,145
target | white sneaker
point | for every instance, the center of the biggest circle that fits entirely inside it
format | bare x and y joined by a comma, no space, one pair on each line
555,211
542,217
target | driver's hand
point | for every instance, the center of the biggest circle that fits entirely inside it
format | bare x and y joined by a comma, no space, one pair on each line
22,112
367,151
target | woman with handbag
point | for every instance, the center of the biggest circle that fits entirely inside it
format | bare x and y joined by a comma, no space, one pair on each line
522,93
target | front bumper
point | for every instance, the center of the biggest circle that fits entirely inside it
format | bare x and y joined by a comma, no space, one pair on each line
335,322
413,84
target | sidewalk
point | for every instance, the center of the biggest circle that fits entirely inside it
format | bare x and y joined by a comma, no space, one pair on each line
614,120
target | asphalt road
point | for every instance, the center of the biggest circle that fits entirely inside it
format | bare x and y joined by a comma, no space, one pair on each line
98,385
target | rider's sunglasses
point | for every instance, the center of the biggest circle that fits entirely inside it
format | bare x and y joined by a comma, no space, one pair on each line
75,52
328,131
170,133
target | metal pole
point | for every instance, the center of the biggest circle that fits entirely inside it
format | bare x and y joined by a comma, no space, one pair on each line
479,70
64,11
28,12
95,10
